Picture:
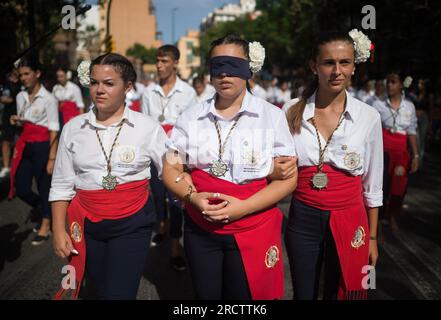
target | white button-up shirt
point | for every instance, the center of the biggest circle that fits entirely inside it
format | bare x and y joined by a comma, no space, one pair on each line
356,146
261,134
81,164
155,103
69,92
43,111
405,116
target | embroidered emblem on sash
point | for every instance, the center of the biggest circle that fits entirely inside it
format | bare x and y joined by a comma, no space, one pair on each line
359,237
272,256
352,160
75,232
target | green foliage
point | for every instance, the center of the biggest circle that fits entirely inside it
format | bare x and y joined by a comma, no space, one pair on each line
147,56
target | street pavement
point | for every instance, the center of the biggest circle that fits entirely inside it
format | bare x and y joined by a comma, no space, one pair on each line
409,266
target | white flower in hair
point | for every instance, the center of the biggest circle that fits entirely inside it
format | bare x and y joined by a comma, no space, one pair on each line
362,45
84,73
407,82
257,56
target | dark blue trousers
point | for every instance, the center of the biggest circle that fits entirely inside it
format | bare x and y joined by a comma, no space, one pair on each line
33,165
215,264
309,242
116,253
160,194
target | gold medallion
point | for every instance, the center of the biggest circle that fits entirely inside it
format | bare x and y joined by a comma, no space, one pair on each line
218,168
109,182
352,160
393,130
75,232
161,118
320,180
272,256
359,237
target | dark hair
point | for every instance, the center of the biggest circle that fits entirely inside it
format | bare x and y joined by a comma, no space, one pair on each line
60,68
230,39
168,50
30,63
397,73
295,113
199,79
123,66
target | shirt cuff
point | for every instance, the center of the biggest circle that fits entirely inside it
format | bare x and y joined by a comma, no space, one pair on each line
284,152
60,195
54,126
373,200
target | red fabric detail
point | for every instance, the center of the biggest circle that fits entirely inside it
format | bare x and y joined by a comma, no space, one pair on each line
98,205
31,133
343,197
254,234
168,129
395,145
68,110
136,105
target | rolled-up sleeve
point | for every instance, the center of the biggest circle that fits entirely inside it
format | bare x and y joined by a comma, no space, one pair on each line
283,140
373,170
52,114
78,97
63,178
158,148
413,120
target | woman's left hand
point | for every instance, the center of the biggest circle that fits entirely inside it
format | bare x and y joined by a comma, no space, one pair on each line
373,252
50,167
414,165
234,210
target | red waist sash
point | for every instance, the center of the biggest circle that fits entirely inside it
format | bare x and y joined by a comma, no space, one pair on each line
395,145
343,197
258,235
136,105
31,133
68,109
98,205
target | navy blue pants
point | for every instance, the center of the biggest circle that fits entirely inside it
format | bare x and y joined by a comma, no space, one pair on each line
215,264
309,242
160,194
116,253
33,165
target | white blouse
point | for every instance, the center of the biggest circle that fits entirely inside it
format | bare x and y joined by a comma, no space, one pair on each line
69,92
356,146
81,164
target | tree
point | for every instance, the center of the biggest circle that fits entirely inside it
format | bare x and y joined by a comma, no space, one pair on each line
147,56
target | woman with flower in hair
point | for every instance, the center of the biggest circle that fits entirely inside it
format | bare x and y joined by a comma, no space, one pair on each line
334,210
232,228
399,120
101,182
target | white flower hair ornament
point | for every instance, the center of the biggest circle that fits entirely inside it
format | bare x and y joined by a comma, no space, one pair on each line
84,73
407,82
257,56
362,45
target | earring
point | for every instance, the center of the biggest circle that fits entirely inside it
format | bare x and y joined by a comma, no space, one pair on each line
353,72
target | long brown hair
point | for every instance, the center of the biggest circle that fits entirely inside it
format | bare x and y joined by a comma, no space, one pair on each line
295,113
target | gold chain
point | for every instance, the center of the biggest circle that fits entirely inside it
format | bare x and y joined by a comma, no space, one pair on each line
222,146
322,152
109,168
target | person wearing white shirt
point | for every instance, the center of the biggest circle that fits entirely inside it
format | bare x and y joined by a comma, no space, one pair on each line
256,89
283,94
379,93
365,92
100,183
68,94
399,121
340,162
232,222
272,91
134,97
165,102
203,91
34,154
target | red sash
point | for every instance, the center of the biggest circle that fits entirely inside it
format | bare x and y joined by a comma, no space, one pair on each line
68,109
98,205
136,105
31,133
395,145
343,197
258,236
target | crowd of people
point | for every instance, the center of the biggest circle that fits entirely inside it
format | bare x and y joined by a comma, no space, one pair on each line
209,160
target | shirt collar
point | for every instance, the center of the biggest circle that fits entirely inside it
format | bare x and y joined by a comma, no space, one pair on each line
179,86
351,112
41,93
91,118
209,106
